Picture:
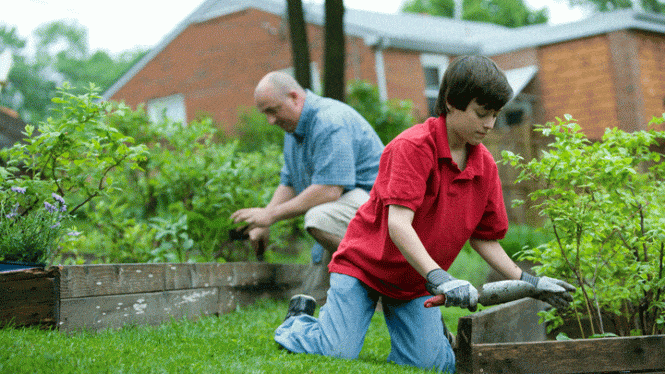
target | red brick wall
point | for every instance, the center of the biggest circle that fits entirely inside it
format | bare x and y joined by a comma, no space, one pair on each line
576,78
405,79
652,74
216,64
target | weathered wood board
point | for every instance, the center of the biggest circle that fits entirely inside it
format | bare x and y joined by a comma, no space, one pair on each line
94,297
114,311
29,297
508,339
639,354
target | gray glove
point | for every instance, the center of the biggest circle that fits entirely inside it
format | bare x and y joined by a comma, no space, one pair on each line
552,291
457,292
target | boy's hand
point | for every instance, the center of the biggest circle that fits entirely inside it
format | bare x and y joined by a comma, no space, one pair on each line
552,291
455,292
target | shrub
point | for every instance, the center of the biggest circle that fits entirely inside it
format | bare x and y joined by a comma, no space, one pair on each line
522,237
72,156
183,195
389,119
603,201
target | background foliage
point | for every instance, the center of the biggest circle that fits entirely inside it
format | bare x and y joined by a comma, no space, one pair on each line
61,54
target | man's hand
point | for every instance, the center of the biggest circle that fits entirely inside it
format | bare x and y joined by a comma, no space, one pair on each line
449,291
254,217
552,291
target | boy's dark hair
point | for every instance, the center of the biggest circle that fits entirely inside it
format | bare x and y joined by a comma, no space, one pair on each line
473,77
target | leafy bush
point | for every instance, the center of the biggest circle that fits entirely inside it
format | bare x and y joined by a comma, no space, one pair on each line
254,133
70,155
183,195
521,237
389,119
604,203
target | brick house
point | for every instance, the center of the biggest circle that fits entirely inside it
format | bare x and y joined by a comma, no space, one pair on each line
608,70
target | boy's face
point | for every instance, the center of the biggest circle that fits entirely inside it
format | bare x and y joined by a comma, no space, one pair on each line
470,125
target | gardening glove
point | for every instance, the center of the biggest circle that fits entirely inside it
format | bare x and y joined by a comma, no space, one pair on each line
552,291
457,292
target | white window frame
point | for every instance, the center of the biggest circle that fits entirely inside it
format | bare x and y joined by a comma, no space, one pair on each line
440,62
173,107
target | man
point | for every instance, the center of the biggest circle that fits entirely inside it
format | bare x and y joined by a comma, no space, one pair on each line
437,188
331,159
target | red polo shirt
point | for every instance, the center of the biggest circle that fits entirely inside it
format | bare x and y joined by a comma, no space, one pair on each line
417,171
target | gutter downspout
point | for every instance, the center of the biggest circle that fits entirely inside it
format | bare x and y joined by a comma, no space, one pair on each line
380,69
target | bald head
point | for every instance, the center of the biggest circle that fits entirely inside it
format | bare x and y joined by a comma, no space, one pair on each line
280,97
279,83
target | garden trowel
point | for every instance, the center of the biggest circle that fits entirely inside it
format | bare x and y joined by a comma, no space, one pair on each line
241,234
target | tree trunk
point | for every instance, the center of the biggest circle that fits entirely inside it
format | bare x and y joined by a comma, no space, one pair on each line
299,46
333,83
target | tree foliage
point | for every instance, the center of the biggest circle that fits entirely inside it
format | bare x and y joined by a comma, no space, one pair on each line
654,6
509,13
60,54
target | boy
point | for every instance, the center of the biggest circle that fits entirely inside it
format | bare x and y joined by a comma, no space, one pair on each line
437,187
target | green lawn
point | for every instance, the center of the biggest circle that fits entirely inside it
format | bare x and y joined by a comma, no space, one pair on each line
239,342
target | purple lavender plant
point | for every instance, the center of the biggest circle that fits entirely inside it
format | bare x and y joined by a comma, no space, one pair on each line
30,232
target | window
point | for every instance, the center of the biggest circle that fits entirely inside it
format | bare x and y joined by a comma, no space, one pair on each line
170,107
433,68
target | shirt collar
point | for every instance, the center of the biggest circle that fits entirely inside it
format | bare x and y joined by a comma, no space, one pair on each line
306,116
474,163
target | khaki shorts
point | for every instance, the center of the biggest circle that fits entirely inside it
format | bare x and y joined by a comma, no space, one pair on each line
334,217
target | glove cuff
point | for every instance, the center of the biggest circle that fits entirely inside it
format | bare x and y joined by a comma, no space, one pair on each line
529,278
435,278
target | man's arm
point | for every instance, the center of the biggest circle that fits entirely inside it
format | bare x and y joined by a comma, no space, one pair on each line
284,205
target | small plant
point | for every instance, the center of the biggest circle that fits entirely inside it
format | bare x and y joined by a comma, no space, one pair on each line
30,233
604,204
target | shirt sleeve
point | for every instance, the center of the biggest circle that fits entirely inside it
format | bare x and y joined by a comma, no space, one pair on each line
494,222
403,174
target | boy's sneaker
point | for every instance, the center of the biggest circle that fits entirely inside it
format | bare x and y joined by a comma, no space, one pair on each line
301,304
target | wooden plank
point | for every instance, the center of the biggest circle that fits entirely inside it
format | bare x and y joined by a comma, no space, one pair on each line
642,354
29,297
110,279
10,276
100,312
118,279
516,321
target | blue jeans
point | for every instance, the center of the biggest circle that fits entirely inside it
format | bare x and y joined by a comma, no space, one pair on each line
416,332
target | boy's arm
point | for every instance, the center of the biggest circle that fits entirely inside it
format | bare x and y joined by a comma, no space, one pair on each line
553,291
448,291
492,252
401,232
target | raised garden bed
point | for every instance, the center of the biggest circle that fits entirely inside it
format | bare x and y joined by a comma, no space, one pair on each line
502,339
94,297
508,339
